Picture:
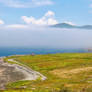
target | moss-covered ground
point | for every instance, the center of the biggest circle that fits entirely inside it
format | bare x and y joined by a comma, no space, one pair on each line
67,72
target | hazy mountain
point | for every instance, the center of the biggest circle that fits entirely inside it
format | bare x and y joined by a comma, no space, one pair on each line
66,25
86,27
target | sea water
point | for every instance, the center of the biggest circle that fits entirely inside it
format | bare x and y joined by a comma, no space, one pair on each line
7,51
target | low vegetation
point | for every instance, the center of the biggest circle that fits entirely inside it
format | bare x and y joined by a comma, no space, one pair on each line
68,72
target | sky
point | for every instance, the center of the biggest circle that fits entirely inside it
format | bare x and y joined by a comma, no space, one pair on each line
45,12
25,23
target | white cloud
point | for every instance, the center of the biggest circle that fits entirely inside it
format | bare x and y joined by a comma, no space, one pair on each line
25,3
16,26
70,23
44,37
1,22
51,21
47,19
50,13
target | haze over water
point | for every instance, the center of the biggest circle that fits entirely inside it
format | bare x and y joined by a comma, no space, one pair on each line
45,37
43,40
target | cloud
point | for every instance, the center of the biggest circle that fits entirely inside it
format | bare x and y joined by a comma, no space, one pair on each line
1,22
69,22
45,37
19,26
49,13
47,19
25,3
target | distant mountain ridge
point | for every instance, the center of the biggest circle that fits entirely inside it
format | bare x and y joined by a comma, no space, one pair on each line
66,25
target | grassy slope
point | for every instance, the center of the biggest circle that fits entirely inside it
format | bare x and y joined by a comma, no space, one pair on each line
72,71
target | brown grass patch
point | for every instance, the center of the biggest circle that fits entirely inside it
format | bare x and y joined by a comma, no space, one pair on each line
64,73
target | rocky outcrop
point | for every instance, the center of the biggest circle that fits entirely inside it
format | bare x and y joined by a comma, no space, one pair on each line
14,72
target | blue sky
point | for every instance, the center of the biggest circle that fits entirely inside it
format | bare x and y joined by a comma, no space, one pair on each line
71,11
24,17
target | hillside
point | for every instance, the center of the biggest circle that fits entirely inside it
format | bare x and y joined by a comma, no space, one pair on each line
69,72
66,25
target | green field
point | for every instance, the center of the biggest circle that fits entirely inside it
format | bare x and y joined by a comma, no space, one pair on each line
68,72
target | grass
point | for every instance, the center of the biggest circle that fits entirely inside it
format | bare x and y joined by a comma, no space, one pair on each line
68,72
